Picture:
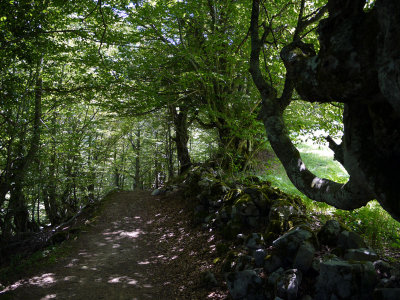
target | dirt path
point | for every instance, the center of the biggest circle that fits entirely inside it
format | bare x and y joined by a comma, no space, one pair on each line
141,247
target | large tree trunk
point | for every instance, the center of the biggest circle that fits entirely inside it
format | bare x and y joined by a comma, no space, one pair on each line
18,208
359,65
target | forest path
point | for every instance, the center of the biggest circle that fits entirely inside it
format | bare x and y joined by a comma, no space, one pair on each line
141,247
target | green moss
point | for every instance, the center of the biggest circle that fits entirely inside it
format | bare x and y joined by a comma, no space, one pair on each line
232,195
243,199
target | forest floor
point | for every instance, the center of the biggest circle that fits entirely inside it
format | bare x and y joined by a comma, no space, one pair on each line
140,247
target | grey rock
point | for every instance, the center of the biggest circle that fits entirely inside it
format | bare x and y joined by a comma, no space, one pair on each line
241,238
387,294
329,233
258,199
382,268
244,262
316,265
274,277
243,283
361,254
344,280
259,256
350,240
304,257
283,212
254,241
391,282
156,192
288,284
272,263
289,243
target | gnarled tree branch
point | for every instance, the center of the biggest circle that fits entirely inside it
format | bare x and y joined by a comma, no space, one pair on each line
344,196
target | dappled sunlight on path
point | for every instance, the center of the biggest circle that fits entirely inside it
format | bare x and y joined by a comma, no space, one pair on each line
125,255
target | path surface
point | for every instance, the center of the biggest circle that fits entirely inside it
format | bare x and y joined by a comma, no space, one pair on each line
141,247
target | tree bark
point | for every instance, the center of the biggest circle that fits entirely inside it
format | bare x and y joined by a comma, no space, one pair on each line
180,119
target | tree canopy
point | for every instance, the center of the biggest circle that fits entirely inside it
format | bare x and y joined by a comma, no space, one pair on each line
115,93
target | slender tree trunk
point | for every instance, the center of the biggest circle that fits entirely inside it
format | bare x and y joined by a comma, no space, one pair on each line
156,163
116,172
169,151
137,184
181,137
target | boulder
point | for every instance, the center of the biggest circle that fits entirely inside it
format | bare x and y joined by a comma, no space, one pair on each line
258,198
241,239
254,241
259,256
387,294
315,266
304,257
329,233
287,286
274,277
283,215
244,262
245,284
350,240
382,268
340,279
272,263
288,244
361,254
158,192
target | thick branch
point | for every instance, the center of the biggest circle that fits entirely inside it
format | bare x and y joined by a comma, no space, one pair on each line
344,196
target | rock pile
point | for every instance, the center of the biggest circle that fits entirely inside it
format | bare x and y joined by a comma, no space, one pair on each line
273,253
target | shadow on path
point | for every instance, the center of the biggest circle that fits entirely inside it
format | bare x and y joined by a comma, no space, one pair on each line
129,253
